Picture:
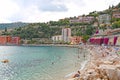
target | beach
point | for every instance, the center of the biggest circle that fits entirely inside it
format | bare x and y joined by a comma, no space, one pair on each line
102,64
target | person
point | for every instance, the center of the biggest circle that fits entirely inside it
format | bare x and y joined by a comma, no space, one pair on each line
78,56
77,74
52,62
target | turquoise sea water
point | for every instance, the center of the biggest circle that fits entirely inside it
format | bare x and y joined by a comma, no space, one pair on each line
38,63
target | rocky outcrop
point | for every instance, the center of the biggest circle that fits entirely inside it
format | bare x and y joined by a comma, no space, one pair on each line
101,66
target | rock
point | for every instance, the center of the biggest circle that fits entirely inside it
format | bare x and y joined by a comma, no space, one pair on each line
98,79
112,74
101,66
5,61
118,74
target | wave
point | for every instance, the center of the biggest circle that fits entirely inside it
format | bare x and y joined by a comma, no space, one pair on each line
83,64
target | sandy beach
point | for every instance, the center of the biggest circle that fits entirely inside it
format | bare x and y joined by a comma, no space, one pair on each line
102,64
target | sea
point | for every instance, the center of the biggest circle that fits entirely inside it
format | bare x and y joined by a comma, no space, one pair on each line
39,62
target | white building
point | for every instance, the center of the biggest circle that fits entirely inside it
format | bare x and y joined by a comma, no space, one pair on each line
57,38
66,34
104,18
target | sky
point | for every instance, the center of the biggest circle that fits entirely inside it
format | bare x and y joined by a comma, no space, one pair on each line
48,10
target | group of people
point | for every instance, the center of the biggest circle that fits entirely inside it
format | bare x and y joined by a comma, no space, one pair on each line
100,51
76,74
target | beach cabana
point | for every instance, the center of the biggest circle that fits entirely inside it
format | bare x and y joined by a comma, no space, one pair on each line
96,40
105,41
115,40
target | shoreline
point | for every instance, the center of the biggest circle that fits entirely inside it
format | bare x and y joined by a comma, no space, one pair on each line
103,64
59,45
37,45
84,51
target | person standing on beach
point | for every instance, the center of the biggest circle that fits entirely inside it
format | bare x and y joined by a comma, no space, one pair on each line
77,74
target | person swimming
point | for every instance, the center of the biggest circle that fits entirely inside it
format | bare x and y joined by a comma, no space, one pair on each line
52,62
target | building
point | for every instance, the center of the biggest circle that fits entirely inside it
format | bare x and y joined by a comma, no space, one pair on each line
95,24
4,40
76,40
74,20
66,34
82,19
104,19
57,38
108,37
15,40
116,15
86,19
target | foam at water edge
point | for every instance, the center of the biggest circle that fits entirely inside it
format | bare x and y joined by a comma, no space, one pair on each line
83,64
70,74
82,67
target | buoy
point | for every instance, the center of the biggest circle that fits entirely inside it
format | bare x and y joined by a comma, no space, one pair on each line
5,61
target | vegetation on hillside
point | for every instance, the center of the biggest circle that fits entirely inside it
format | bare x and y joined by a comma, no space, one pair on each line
12,25
36,31
116,24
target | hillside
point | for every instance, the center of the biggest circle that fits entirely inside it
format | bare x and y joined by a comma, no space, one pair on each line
83,25
12,25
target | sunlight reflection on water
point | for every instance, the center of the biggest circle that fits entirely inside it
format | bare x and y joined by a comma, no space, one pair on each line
35,63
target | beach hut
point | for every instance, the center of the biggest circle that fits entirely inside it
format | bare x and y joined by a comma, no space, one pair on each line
92,40
96,40
101,41
115,40
105,40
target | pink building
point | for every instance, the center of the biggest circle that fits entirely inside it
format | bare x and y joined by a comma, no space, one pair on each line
15,40
9,40
74,20
82,19
86,19
108,37
3,40
116,15
66,34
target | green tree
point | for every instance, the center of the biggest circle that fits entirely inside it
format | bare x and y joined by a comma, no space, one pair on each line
116,24
5,29
85,37
79,33
118,5
89,30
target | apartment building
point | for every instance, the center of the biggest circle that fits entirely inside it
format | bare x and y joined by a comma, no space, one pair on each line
9,40
116,15
82,19
57,38
104,19
66,34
